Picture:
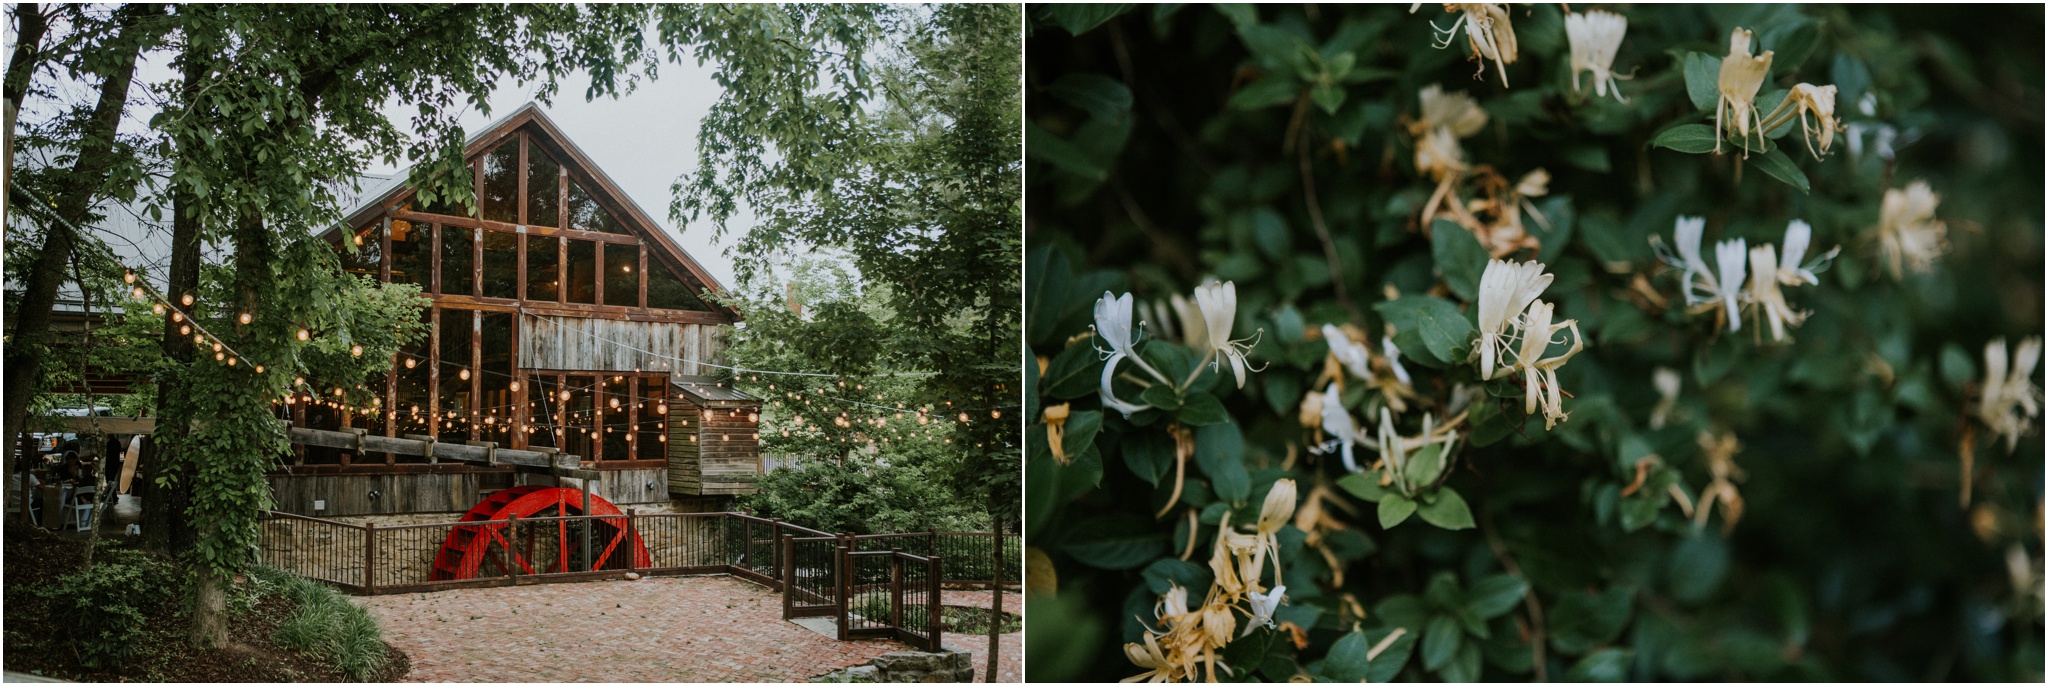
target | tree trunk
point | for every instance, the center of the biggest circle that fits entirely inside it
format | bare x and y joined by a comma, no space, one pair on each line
164,525
81,187
995,606
209,609
29,27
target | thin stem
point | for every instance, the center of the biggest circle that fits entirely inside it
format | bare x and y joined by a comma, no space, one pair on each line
1315,217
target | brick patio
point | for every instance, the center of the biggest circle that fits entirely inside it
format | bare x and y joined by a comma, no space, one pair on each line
1012,668
661,629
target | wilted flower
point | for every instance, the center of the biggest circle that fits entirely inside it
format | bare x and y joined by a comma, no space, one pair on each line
1741,75
1445,118
1278,507
1907,231
1352,354
1056,430
1720,452
1595,37
1765,295
1337,423
1218,302
2008,404
1505,289
1807,100
1667,382
1488,29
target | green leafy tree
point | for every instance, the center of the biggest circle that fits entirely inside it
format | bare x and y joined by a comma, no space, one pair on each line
1497,419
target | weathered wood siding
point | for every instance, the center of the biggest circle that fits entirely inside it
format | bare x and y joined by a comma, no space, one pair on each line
349,494
711,452
578,344
629,486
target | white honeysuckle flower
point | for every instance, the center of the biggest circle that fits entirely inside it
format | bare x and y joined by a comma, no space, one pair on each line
1908,234
1277,508
1765,295
1218,302
1390,445
1595,37
1799,235
1732,257
1337,423
1352,354
1393,355
1194,332
1698,281
1741,75
1263,606
1667,381
2009,404
1505,289
1539,374
1113,326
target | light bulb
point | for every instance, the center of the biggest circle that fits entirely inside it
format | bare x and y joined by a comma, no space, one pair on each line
187,299
410,363
185,329
259,369
177,316
231,361
995,414
244,318
357,351
128,277
157,308
963,417
464,374
304,334
515,386
219,356
137,292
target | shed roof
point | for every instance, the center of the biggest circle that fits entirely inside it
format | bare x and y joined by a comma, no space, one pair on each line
708,392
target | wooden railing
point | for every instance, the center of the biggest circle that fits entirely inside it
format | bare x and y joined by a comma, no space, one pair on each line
883,585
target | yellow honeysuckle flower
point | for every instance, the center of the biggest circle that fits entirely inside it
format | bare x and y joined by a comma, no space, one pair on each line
1742,75
1908,234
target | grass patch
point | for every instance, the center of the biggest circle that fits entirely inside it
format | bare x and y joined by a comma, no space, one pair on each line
974,620
326,625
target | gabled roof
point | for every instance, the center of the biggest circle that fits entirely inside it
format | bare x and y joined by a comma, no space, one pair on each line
380,195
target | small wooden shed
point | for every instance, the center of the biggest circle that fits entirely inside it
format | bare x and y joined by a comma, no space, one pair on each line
714,440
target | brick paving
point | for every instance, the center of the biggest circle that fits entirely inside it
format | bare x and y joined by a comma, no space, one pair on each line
660,629
1012,668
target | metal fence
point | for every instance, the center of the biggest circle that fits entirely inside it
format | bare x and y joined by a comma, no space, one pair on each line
885,585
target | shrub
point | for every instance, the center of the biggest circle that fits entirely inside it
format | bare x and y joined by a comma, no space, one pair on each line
324,623
106,605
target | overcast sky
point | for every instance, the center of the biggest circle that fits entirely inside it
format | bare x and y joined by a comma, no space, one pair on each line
643,140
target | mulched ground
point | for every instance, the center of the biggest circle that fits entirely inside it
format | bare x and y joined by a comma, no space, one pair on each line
35,643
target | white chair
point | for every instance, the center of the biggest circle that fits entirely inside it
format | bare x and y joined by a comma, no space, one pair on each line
83,500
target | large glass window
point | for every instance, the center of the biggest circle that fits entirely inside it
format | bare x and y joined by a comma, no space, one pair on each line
411,402
621,275
666,291
495,408
650,424
543,188
453,414
543,278
577,411
412,253
450,206
618,417
586,215
501,183
501,264
543,411
458,260
582,286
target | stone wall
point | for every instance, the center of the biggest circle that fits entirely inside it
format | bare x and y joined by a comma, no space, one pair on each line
948,666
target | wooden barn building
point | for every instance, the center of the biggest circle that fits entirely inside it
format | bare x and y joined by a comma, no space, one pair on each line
563,316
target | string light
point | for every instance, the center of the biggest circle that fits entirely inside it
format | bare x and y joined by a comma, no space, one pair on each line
187,299
244,318
157,308
357,350
304,334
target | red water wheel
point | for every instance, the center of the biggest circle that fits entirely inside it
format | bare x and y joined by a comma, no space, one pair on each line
467,548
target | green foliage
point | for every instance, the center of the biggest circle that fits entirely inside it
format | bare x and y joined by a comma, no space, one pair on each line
901,491
325,624
105,605
1275,147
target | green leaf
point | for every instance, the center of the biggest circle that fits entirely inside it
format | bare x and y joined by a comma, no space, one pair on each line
1202,409
1270,231
1364,485
1687,138
1428,328
1465,667
1081,17
1495,595
1459,257
1698,564
1104,98
1148,454
1489,425
1115,542
1703,80
1219,449
1440,642
1042,145
1081,429
1074,373
1582,622
1273,90
1448,511
1329,98
1163,574
1780,167
1394,509
1346,660
1606,665
1424,466
1792,42
1161,396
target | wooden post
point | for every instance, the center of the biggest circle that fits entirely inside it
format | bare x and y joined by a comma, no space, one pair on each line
843,584
896,588
512,547
775,552
587,525
932,601
632,532
995,602
370,558
788,572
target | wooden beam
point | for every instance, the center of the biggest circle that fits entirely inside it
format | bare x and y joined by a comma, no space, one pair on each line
112,425
444,450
